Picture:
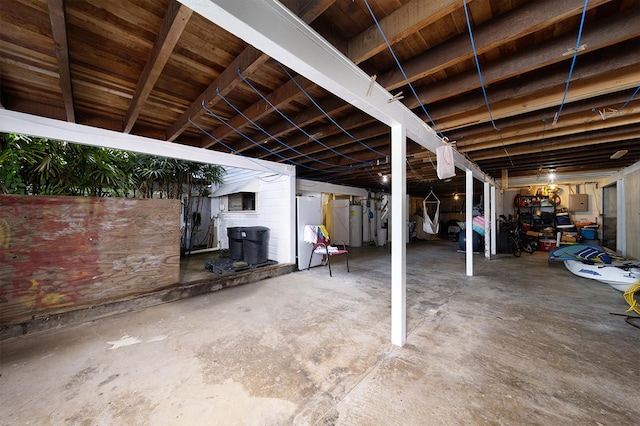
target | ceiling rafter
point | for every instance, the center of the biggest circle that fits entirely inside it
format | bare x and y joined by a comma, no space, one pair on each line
174,23
406,20
58,20
522,21
617,29
248,62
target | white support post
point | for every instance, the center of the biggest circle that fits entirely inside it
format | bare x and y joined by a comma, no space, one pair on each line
399,236
469,221
493,221
487,213
621,238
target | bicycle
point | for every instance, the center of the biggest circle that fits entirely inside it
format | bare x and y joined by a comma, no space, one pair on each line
515,243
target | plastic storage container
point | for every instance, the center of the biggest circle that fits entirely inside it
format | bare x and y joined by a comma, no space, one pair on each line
547,245
255,244
235,243
589,234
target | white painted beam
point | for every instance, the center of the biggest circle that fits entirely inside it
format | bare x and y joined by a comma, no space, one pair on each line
399,236
17,122
493,221
275,30
487,221
469,221
621,219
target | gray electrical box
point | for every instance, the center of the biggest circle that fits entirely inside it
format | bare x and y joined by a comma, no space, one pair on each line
579,202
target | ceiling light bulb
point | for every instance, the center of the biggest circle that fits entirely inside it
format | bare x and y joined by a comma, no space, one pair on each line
384,178
552,176
455,196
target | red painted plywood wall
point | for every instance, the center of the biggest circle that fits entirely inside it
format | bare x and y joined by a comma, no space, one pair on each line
65,253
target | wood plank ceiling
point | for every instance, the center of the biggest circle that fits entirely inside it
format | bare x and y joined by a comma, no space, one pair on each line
155,68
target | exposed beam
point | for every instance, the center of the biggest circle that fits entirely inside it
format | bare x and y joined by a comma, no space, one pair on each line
309,10
614,81
596,68
625,26
175,20
570,124
279,97
522,21
304,118
58,19
248,62
544,145
613,100
404,21
15,122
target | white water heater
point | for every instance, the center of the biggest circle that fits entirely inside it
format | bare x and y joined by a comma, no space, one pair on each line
355,225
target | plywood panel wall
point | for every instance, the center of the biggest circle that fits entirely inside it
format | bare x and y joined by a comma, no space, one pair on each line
632,214
64,253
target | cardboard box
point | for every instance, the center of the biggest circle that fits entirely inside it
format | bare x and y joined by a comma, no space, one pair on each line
567,238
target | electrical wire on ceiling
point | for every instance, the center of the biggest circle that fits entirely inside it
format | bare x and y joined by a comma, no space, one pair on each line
327,115
573,62
475,55
275,108
237,110
404,74
210,136
544,129
221,120
504,147
630,99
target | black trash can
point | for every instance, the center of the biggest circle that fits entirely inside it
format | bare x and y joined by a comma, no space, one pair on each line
255,244
235,243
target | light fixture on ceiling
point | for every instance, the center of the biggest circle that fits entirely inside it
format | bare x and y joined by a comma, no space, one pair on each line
385,179
618,154
455,196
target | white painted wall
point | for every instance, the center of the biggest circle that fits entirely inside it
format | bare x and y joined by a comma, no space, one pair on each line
275,209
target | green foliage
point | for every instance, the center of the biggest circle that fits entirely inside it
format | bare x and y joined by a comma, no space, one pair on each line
31,165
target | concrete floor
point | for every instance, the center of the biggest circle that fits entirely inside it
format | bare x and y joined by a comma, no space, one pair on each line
521,342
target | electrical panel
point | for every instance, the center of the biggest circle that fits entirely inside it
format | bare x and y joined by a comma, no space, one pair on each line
579,202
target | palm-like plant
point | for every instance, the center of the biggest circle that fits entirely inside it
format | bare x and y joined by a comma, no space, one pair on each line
31,165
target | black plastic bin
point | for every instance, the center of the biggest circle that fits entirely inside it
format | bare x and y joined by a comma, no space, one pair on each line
255,244
235,243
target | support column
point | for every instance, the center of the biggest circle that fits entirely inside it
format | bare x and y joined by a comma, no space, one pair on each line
487,224
493,221
621,237
469,221
399,235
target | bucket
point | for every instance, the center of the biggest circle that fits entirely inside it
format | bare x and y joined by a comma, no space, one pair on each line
547,245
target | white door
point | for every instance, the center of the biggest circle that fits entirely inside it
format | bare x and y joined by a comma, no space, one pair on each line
309,213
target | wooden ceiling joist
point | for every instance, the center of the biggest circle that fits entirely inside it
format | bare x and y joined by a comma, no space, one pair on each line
58,19
173,25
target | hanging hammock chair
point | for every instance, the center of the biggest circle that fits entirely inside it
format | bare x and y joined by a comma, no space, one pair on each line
431,224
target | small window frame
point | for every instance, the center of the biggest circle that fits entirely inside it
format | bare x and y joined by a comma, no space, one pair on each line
242,202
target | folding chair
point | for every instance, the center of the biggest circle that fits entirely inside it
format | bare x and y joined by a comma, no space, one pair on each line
318,236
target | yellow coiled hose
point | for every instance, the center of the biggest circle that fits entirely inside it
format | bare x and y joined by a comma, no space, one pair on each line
629,296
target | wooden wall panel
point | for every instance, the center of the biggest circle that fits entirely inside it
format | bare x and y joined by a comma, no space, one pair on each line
632,214
64,253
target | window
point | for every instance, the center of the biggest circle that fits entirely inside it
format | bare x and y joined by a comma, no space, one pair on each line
242,201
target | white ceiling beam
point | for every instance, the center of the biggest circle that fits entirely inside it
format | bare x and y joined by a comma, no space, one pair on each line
275,30
17,122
